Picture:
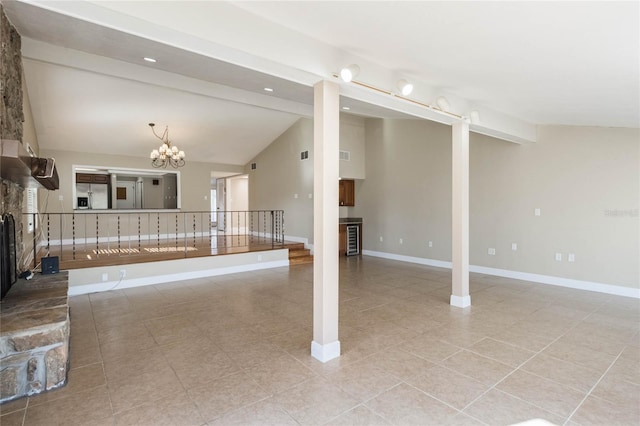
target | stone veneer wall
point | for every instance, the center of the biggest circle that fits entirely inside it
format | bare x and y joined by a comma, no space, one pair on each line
34,336
11,117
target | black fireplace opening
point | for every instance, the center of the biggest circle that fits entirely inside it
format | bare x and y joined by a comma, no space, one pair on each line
8,269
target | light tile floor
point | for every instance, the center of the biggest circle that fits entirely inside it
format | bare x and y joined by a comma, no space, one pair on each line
235,350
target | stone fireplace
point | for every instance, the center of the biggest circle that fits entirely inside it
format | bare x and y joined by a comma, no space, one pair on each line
34,315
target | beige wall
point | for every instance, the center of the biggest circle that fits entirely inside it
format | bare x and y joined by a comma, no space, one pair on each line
575,175
407,192
280,175
28,127
195,177
352,139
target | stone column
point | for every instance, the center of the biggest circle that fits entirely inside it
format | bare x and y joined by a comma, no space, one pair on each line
460,216
326,133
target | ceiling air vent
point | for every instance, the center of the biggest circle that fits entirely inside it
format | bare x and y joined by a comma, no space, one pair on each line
254,166
345,155
304,155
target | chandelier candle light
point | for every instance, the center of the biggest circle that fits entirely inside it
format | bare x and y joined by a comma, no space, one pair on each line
166,154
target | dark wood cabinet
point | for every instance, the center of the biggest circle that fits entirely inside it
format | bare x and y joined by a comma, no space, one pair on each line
347,193
91,178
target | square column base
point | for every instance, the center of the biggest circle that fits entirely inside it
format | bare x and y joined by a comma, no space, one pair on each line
324,353
460,301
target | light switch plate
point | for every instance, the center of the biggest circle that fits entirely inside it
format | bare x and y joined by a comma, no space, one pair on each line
559,257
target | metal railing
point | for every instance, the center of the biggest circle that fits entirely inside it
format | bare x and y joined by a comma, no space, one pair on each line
91,234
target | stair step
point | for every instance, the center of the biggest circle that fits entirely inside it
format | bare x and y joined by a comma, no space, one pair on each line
300,260
299,253
294,246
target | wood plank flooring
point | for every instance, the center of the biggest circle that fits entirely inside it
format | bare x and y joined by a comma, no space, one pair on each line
91,255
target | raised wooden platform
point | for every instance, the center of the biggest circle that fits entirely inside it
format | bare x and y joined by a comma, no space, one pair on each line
83,255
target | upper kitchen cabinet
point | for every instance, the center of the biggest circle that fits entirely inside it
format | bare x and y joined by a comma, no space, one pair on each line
351,147
92,178
347,193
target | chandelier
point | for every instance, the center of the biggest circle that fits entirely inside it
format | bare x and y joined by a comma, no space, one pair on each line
166,154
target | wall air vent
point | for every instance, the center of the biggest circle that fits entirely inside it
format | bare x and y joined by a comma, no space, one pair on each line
345,156
254,166
304,155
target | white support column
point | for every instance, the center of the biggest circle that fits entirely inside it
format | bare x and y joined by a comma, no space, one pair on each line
326,146
460,216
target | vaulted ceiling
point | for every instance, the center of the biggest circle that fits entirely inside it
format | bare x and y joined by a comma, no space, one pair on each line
518,64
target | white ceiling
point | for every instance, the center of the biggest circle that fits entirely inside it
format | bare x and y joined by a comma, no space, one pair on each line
573,63
555,62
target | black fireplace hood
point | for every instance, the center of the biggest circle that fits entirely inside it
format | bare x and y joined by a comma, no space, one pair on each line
29,172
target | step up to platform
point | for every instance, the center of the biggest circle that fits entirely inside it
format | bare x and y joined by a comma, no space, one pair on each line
300,256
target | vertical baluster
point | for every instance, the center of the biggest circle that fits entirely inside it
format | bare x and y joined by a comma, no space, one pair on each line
264,226
251,226
158,232
194,231
36,228
118,235
60,232
97,234
139,236
73,236
176,233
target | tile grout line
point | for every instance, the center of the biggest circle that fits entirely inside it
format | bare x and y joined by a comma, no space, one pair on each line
594,386
597,382
518,368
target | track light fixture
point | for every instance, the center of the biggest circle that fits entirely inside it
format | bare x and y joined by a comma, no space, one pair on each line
405,87
349,73
443,103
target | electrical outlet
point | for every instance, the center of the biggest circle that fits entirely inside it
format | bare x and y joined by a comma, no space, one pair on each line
491,251
430,243
105,277
514,246
310,195
60,197
401,241
295,195
536,212
571,257
559,257
123,273
381,239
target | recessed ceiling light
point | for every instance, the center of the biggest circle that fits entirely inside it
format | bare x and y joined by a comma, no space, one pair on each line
150,59
346,108
268,89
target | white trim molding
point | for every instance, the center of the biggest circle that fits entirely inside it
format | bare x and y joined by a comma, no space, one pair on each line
460,302
410,259
613,289
616,290
325,353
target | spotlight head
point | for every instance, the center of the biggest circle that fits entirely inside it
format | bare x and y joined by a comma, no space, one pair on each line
405,87
443,103
349,73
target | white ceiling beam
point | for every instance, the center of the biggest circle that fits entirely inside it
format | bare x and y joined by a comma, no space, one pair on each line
258,44
43,52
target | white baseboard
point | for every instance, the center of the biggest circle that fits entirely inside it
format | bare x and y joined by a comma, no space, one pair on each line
325,353
524,276
410,259
559,281
159,279
460,301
